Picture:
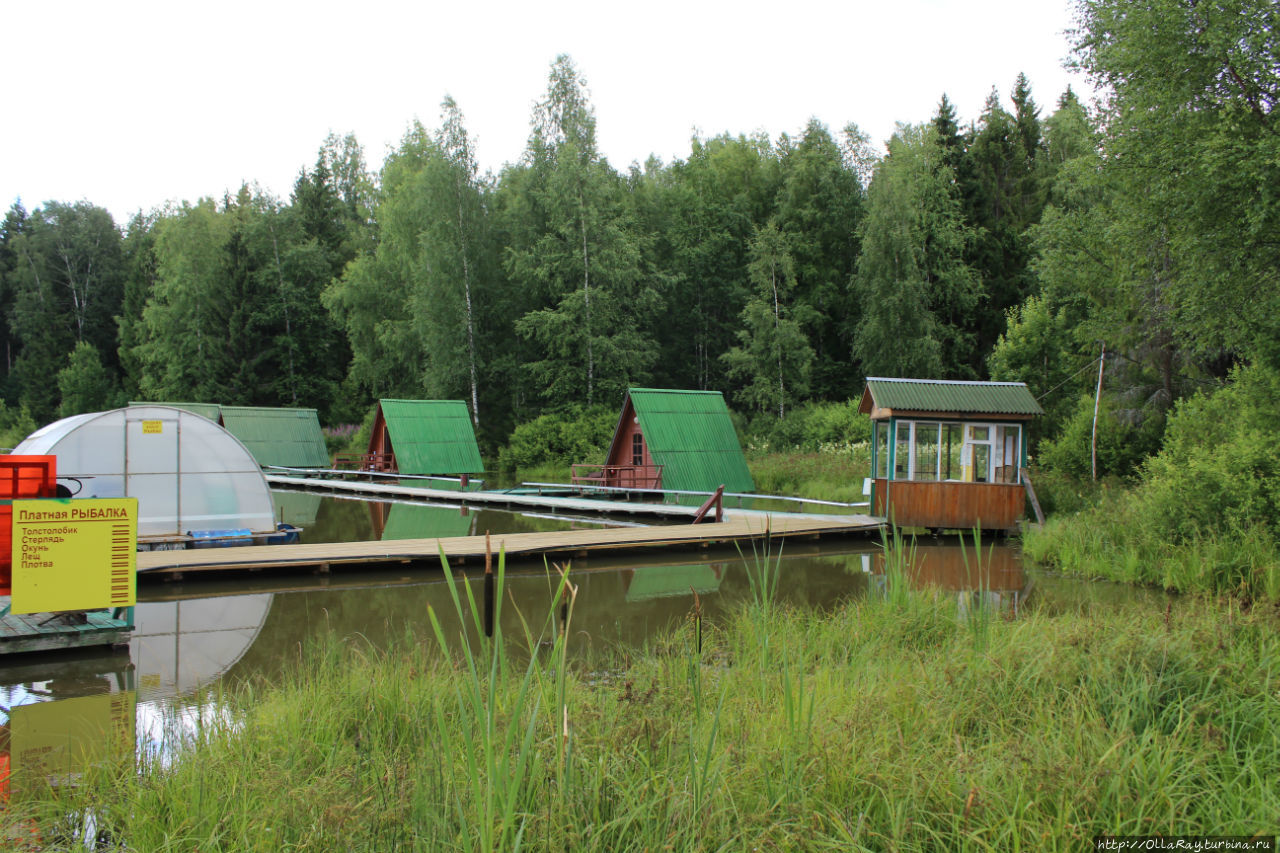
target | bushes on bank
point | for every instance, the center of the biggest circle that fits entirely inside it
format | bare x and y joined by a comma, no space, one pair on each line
558,440
1205,512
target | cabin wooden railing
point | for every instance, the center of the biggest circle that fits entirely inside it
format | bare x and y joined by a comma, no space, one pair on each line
379,463
617,476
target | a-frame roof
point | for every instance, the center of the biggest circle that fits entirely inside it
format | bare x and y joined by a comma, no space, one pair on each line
690,435
289,438
885,397
431,436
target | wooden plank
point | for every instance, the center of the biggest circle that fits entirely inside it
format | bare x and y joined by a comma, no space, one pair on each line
516,545
950,505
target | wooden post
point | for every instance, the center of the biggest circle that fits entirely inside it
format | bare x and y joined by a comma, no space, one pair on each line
488,587
1093,442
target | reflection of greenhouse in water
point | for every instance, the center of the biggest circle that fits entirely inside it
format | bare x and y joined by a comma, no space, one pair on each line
181,646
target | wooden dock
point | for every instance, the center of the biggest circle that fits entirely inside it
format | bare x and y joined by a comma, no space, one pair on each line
554,545
523,500
44,632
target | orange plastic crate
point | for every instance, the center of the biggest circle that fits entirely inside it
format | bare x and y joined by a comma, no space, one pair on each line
21,477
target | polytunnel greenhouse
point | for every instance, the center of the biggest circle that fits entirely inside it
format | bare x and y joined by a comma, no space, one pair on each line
189,474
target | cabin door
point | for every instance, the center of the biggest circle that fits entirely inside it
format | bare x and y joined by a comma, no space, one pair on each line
977,456
151,473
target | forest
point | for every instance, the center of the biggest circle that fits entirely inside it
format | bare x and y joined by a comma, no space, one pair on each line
1014,245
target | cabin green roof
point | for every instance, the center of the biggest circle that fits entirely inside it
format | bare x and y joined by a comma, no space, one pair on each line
289,438
432,436
212,411
949,397
690,435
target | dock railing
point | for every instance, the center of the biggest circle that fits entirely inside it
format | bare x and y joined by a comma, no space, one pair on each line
628,477
739,495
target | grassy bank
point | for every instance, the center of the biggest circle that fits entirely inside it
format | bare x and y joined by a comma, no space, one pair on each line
834,473
901,722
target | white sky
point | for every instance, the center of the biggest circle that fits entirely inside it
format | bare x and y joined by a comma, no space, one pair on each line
129,104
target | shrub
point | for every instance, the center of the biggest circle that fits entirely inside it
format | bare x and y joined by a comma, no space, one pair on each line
810,427
561,438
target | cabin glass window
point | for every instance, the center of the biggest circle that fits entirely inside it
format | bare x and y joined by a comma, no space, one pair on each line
637,449
902,451
1009,445
927,447
881,449
952,444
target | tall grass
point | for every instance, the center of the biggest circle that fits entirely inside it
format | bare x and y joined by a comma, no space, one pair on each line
883,725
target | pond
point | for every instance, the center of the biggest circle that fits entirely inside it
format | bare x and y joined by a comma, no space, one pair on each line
57,712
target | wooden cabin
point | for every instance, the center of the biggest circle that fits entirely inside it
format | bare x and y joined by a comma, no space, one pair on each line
948,455
675,440
423,437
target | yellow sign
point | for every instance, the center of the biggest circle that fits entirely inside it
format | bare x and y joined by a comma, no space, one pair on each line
152,427
74,554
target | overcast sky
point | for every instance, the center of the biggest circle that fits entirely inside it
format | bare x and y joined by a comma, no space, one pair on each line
130,104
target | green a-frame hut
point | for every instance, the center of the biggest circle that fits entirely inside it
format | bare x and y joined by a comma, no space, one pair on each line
277,437
670,439
424,437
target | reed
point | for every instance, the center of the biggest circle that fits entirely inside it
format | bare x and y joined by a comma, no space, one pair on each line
882,725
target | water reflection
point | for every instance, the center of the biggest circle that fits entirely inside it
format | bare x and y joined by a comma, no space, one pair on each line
60,716
196,635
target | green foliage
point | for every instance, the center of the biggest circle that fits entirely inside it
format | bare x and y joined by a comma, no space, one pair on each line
15,425
912,284
1123,440
811,427
1205,514
773,363
1189,156
85,383
576,434
580,252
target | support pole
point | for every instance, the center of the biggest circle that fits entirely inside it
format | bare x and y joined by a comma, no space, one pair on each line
1093,442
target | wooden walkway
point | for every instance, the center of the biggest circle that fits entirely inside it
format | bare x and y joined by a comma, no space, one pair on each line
394,491
43,632
554,545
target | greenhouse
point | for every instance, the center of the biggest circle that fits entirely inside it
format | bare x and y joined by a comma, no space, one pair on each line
189,474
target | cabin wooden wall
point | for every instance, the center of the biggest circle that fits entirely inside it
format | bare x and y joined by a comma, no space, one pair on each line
622,441
963,506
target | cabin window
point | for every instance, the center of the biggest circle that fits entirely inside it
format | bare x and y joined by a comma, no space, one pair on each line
1009,445
953,443
881,449
926,447
637,449
902,451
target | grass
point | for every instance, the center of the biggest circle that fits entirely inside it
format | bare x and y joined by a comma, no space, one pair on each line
889,724
833,474
1116,539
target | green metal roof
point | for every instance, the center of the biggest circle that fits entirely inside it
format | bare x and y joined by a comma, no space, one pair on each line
409,521
690,435
286,437
936,395
432,436
212,411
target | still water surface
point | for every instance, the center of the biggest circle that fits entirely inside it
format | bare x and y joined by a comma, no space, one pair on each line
58,712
